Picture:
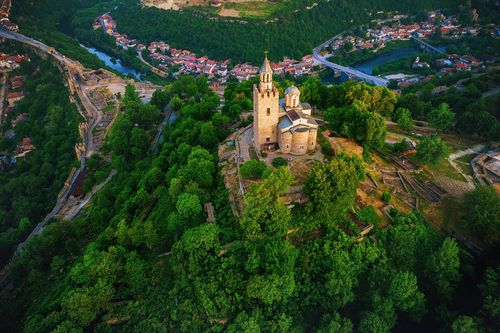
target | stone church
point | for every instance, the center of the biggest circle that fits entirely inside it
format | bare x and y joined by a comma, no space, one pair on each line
284,124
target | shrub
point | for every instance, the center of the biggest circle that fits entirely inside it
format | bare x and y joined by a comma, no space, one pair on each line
367,156
401,146
386,197
326,148
279,162
368,215
253,169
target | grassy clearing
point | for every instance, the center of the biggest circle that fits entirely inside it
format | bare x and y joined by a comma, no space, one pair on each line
444,217
446,169
255,9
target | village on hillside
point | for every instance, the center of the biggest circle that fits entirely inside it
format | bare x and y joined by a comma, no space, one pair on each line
167,59
179,62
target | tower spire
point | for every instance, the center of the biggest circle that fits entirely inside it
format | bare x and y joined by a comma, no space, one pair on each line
266,75
266,66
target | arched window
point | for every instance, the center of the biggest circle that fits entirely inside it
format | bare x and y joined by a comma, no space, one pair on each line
268,111
268,77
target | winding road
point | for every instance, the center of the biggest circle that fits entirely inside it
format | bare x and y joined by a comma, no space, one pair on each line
91,115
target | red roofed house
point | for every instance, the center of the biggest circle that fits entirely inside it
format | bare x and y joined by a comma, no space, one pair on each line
13,97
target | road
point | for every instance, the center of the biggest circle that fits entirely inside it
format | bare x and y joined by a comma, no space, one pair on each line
376,80
92,116
3,92
155,70
491,92
168,114
427,45
75,210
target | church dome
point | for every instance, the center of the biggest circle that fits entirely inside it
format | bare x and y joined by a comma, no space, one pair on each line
293,90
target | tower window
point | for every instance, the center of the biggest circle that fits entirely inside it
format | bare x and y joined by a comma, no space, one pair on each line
301,147
268,139
268,111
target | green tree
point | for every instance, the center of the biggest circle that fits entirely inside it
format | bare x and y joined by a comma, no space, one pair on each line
271,263
265,212
442,118
337,324
208,136
482,213
381,320
310,90
405,295
431,149
490,290
404,119
253,169
332,186
464,324
160,99
443,268
188,205
353,122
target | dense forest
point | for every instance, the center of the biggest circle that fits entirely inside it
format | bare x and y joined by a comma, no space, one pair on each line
143,258
292,33
50,22
28,189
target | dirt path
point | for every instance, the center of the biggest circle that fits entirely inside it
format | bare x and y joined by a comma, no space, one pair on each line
473,150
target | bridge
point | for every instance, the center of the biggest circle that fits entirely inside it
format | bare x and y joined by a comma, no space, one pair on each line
427,45
375,80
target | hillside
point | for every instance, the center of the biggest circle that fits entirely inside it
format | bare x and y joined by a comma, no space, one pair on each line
292,32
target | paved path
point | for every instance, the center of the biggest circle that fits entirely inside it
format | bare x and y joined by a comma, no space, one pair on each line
3,93
168,114
473,150
93,118
155,70
491,92
68,216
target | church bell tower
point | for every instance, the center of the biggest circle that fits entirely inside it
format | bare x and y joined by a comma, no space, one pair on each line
265,108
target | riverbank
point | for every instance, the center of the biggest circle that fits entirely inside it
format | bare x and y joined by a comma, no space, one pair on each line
113,63
355,58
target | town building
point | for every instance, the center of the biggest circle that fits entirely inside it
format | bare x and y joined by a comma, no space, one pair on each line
285,124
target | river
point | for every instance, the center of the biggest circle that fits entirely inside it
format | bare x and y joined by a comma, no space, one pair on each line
367,67
113,63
